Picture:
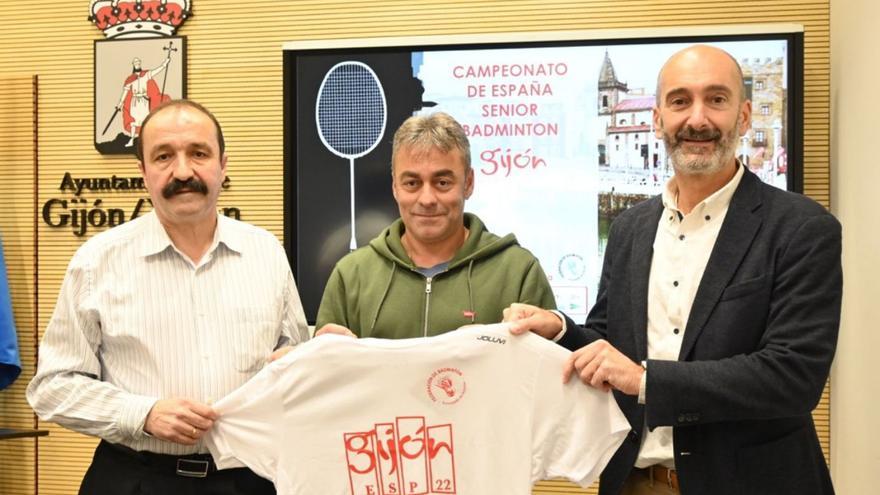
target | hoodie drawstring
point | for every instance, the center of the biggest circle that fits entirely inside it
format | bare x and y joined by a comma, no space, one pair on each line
384,295
471,292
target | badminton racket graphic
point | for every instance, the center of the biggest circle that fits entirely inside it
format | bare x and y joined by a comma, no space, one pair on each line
351,115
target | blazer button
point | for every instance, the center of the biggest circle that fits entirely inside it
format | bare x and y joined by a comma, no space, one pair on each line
682,418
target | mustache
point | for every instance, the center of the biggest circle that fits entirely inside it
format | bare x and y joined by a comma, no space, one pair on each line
689,133
177,185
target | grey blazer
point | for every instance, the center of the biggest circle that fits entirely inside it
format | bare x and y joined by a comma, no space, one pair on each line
756,352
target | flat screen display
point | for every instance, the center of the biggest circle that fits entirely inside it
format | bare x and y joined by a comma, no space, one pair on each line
561,140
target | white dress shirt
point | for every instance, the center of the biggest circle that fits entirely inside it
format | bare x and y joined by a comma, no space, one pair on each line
137,321
681,250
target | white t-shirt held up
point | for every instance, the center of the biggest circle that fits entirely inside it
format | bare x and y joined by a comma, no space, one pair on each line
472,411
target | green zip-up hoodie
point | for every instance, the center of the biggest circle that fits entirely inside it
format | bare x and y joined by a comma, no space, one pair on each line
377,292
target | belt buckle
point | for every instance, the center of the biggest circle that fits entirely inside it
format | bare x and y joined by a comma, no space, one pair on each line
192,468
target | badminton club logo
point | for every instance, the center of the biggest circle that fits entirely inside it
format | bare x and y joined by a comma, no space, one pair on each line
446,385
572,267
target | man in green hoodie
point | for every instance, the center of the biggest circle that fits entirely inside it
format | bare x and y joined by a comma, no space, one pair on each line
436,268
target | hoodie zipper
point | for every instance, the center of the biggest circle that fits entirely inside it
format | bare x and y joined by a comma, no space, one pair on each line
427,301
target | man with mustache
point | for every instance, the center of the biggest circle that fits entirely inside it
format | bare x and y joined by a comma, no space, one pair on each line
163,315
718,310
436,268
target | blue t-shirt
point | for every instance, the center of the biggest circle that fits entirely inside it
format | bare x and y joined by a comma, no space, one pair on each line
434,270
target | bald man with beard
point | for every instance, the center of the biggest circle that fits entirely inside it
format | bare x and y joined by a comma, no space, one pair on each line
718,310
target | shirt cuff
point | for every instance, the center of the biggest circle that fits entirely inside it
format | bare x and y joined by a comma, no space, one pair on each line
134,414
643,383
561,332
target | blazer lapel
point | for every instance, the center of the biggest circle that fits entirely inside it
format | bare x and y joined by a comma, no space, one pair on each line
737,233
640,271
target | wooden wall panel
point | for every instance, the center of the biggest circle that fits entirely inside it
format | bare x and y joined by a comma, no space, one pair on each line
234,58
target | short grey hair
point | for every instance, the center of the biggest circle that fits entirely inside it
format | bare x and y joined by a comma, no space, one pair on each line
437,131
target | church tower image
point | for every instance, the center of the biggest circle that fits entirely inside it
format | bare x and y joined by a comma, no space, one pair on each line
609,95
609,87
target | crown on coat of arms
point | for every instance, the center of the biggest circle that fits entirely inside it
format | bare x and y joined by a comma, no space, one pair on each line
139,18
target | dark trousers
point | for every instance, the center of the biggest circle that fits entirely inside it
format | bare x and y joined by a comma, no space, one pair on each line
118,470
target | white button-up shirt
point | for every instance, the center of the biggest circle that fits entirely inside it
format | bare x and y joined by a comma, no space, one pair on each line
137,321
681,250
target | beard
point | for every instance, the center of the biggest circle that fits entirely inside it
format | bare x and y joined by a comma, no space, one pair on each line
701,164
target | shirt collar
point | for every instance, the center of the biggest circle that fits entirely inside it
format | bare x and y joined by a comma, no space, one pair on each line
717,201
224,234
155,238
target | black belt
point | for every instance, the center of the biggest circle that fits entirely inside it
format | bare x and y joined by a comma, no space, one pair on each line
189,465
